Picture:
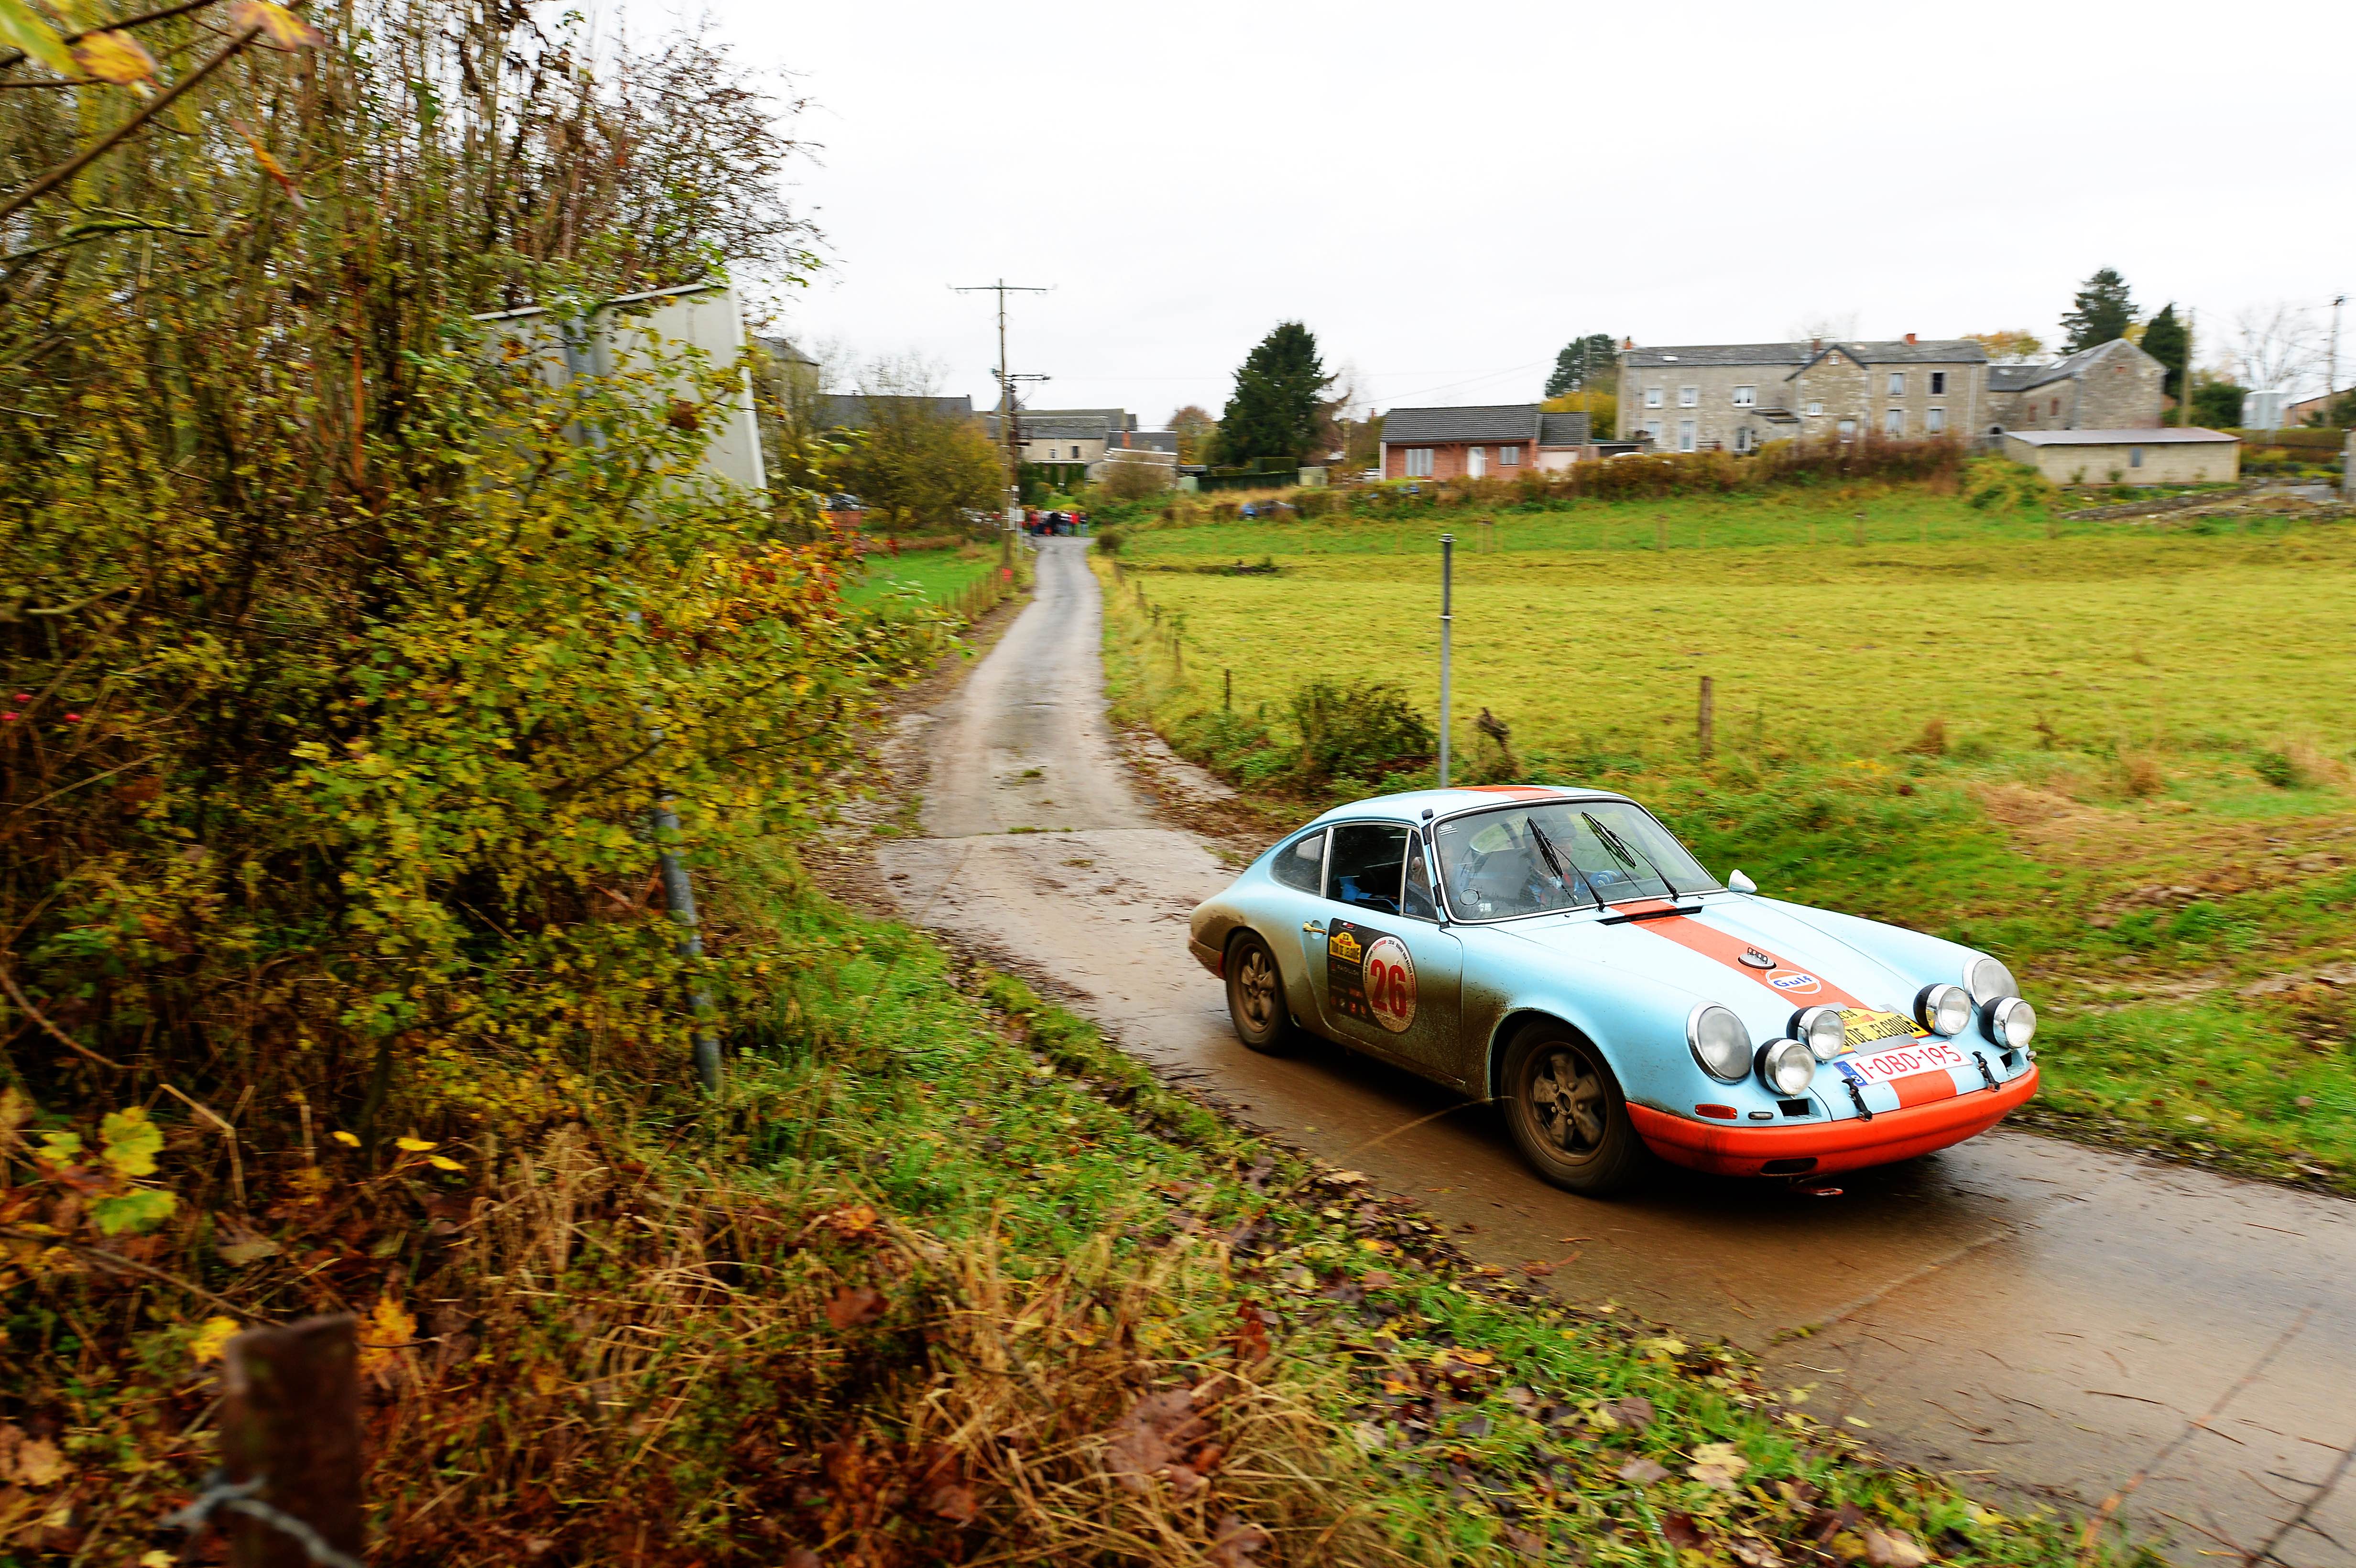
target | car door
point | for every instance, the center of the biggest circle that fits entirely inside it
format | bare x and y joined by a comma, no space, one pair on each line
1295,906
1392,976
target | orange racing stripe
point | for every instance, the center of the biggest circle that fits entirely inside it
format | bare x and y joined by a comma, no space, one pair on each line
1711,942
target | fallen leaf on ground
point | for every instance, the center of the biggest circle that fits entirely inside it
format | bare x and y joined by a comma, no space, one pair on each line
1718,1466
1236,1543
211,1335
1680,1531
1641,1472
1152,1439
39,1463
388,1329
1633,1412
955,1503
1375,1279
1890,1549
853,1305
1250,1336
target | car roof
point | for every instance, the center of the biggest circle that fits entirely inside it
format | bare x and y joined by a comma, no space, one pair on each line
1410,805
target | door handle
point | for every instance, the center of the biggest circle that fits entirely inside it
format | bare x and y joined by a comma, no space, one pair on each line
1314,927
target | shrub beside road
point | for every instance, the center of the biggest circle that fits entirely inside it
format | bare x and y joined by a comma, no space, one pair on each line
2113,751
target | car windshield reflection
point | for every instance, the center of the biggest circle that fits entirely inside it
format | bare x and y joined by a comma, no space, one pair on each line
1559,855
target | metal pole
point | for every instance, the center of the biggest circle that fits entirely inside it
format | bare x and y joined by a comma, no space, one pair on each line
1447,585
2331,359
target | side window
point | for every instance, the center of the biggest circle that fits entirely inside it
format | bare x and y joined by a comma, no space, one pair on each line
1416,902
1302,865
1366,865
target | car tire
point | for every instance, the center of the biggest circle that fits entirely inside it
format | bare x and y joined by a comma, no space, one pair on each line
1255,996
1567,1113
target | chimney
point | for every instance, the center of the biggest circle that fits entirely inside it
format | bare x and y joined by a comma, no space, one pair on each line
1816,344
1627,343
1909,337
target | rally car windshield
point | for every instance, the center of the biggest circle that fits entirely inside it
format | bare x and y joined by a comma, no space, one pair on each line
1569,854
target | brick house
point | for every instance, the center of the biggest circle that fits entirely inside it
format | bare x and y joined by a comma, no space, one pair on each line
2112,386
1495,440
1740,396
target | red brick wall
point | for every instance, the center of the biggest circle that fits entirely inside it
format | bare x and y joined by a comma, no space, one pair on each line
1448,458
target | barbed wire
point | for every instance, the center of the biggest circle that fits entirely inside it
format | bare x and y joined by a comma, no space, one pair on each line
221,1493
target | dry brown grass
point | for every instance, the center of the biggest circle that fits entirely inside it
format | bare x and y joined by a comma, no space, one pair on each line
2140,774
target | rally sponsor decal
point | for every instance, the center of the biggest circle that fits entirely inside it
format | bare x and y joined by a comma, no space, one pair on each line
1369,976
1866,1026
1795,982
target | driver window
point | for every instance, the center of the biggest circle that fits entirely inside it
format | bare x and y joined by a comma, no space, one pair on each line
1417,901
1300,865
1366,866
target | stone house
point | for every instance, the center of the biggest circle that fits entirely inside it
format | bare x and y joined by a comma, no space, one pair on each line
2112,386
1499,440
1738,396
2139,455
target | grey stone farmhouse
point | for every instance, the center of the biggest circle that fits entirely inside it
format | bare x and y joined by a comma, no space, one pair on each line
1738,396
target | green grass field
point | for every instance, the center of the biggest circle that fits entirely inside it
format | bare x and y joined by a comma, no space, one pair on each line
938,574
2115,752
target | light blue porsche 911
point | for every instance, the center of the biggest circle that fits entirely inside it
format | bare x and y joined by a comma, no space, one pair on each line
1558,951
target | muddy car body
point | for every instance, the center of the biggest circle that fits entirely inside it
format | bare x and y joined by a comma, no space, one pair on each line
1558,951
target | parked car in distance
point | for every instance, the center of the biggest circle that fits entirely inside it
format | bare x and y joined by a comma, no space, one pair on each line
1558,951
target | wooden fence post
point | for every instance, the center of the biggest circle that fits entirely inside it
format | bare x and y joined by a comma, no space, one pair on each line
1706,720
290,1414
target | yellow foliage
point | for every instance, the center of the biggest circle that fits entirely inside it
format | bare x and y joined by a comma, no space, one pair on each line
211,1337
387,1331
118,58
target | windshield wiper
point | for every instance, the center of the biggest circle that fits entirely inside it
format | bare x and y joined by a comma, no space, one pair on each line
1627,855
1554,863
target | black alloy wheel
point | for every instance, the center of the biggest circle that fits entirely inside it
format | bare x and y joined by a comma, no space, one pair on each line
1567,1113
1255,995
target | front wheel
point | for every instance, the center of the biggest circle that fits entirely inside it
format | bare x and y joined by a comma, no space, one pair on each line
1255,995
1567,1114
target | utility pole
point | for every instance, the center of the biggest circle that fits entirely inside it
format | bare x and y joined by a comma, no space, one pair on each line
2184,388
1006,380
2331,359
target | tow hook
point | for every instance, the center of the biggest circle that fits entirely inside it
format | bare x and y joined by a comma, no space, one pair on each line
1857,1098
1985,1076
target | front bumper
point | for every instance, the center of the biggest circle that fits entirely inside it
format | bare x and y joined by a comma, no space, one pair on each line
1822,1147
1209,957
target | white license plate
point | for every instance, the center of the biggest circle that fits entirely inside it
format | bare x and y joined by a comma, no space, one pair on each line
1923,1056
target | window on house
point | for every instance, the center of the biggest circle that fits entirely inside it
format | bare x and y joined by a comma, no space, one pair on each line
1419,463
1815,410
1076,454
1742,438
1653,397
2134,457
1509,457
1894,422
1684,436
1652,428
1688,397
2057,408
1898,383
1938,383
1746,397
1935,422
1847,429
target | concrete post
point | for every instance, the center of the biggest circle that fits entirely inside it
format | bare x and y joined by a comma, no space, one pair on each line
2348,465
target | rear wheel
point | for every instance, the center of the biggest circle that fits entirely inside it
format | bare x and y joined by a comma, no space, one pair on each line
1566,1111
1255,995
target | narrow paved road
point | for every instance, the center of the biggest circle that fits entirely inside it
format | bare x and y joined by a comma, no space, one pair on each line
2029,1314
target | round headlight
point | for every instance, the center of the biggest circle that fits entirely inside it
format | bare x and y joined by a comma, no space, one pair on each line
1822,1030
1719,1042
2011,1023
1787,1067
1944,1009
1989,981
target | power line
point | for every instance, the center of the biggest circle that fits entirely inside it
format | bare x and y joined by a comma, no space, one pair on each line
1006,430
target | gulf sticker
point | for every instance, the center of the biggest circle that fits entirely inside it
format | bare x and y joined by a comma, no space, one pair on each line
1391,983
1796,982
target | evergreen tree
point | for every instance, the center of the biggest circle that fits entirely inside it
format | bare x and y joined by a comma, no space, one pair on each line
2100,312
1584,362
1278,405
2164,339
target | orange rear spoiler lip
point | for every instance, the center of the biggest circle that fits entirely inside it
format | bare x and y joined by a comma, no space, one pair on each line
1851,1144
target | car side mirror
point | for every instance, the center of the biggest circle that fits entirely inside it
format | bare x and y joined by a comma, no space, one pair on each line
1740,883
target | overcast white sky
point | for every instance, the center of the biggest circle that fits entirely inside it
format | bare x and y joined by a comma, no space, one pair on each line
1446,193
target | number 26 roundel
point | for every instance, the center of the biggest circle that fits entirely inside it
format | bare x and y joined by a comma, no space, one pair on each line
1391,983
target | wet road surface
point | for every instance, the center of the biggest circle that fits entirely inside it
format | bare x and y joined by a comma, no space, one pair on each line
2032,1317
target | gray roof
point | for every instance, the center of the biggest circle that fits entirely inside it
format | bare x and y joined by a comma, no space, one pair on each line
2167,437
851,410
1488,422
2021,377
1146,440
1564,430
783,350
1716,354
